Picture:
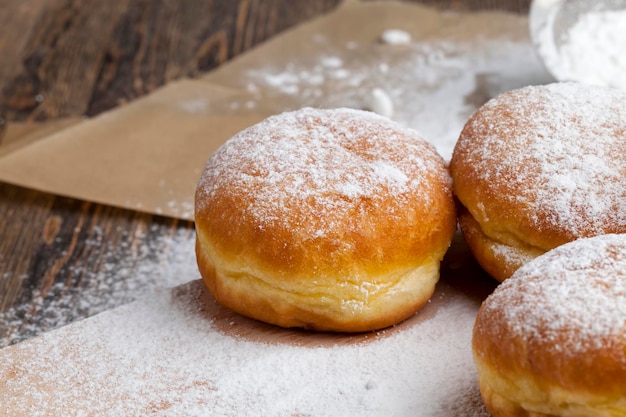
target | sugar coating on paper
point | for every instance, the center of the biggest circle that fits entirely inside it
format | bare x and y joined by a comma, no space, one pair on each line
381,103
324,163
432,86
560,151
166,359
395,37
575,294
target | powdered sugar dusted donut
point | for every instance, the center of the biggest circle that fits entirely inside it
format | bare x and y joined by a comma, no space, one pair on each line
551,340
538,167
324,219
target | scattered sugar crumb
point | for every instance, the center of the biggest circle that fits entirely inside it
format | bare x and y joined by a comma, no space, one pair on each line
197,105
331,61
381,103
395,37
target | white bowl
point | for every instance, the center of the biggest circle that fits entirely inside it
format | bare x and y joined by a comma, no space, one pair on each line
581,40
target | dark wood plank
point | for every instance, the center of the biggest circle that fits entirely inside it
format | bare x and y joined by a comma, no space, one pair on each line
16,20
63,259
116,51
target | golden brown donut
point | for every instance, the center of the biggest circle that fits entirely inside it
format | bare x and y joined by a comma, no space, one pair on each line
540,166
324,219
551,339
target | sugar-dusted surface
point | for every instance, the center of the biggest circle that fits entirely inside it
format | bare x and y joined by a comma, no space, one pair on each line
395,37
128,271
324,164
434,85
180,354
570,301
557,153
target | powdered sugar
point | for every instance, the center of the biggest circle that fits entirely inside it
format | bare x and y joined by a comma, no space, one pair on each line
322,162
592,50
571,300
127,271
510,255
560,154
381,103
163,356
433,85
395,37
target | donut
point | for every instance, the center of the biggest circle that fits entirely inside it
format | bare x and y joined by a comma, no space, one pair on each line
537,167
551,339
331,220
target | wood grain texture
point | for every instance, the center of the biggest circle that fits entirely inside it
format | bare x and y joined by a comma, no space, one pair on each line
117,51
57,252
82,57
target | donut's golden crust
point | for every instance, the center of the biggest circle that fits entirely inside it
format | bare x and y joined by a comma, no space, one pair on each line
252,297
498,259
551,340
541,166
321,258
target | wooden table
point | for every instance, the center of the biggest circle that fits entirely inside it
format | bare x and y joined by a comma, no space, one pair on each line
63,259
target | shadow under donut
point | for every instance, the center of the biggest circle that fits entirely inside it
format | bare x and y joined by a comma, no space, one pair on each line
461,280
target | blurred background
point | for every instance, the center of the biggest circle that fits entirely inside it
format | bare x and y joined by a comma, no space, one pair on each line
119,50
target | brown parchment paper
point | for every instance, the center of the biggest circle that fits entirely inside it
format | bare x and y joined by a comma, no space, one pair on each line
148,155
